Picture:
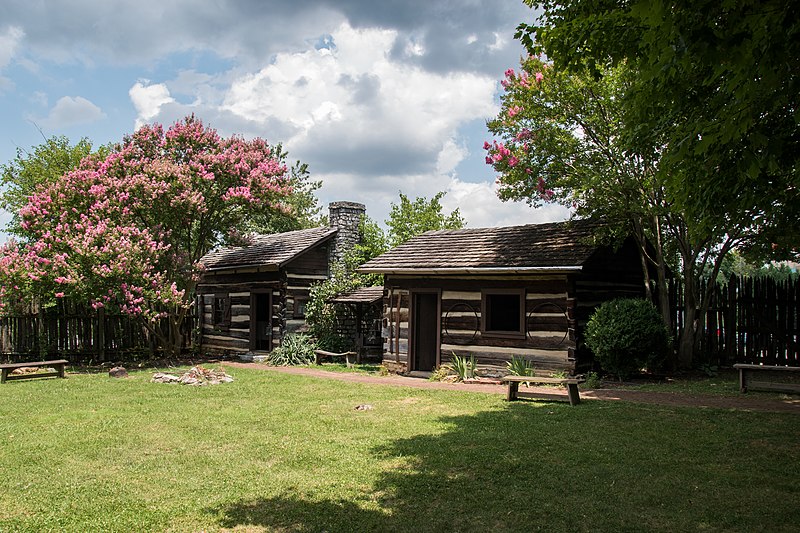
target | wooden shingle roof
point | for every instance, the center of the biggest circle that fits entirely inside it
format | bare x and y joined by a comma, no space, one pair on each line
560,246
267,250
363,295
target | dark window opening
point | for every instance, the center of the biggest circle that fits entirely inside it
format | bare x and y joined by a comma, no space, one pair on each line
300,307
503,312
222,311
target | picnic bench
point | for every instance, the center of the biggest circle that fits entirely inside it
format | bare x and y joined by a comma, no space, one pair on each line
58,365
571,384
747,372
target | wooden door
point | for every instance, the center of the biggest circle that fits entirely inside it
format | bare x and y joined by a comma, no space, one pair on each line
261,321
425,329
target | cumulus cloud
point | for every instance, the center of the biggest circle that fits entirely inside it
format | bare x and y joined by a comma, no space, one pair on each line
148,99
10,38
375,96
429,34
480,206
9,42
71,111
357,110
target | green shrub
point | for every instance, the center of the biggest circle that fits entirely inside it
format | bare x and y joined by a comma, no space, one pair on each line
593,381
627,335
440,373
463,367
295,349
322,317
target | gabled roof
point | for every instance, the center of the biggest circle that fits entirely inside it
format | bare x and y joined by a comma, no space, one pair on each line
267,250
560,246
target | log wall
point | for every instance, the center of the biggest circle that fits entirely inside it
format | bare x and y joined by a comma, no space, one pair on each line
288,287
548,341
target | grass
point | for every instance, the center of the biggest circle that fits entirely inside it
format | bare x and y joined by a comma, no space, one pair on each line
724,383
363,368
279,452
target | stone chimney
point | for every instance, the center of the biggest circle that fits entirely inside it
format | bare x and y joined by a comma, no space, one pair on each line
346,217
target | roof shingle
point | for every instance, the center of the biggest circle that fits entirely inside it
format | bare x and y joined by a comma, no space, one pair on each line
535,246
267,250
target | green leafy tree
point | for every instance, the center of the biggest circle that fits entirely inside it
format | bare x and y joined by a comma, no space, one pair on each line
679,110
410,218
716,89
42,165
562,140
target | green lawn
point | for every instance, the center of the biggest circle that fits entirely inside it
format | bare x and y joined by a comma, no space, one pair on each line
277,452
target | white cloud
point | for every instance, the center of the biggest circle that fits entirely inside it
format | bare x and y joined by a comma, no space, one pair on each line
9,42
480,206
368,125
353,102
450,156
71,111
148,99
499,42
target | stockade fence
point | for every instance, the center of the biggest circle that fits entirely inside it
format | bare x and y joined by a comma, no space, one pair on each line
82,335
750,320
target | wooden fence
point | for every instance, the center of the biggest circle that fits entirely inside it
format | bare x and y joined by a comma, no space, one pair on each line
82,336
750,320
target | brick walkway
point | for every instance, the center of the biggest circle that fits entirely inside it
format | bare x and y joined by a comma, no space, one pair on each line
744,402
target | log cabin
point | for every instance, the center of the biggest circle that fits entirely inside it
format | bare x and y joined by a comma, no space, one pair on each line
251,296
499,292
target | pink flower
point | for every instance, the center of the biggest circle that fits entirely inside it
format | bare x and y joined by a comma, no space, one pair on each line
59,295
539,77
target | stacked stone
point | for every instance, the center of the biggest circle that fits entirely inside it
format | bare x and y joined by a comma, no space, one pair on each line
346,217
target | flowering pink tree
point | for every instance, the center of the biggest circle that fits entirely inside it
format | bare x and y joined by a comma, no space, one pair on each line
127,232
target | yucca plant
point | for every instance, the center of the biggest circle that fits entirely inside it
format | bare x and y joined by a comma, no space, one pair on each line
519,366
463,367
295,349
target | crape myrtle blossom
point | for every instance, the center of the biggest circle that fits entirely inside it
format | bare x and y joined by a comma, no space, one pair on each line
521,171
127,232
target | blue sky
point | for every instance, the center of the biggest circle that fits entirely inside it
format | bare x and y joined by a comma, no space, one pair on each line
377,97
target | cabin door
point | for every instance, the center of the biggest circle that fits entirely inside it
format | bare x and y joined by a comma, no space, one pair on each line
425,330
261,321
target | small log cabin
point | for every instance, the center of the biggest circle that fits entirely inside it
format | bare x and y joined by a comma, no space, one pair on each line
250,297
499,292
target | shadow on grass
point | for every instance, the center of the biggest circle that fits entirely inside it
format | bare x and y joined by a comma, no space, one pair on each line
555,468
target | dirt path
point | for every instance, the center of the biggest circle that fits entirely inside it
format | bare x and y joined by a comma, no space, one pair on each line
743,402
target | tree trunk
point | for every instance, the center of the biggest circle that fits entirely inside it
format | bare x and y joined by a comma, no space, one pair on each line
688,344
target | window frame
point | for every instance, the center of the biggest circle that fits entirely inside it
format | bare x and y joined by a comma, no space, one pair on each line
221,311
296,307
486,295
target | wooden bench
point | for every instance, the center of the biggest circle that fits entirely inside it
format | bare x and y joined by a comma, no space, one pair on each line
746,381
571,383
58,365
321,355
